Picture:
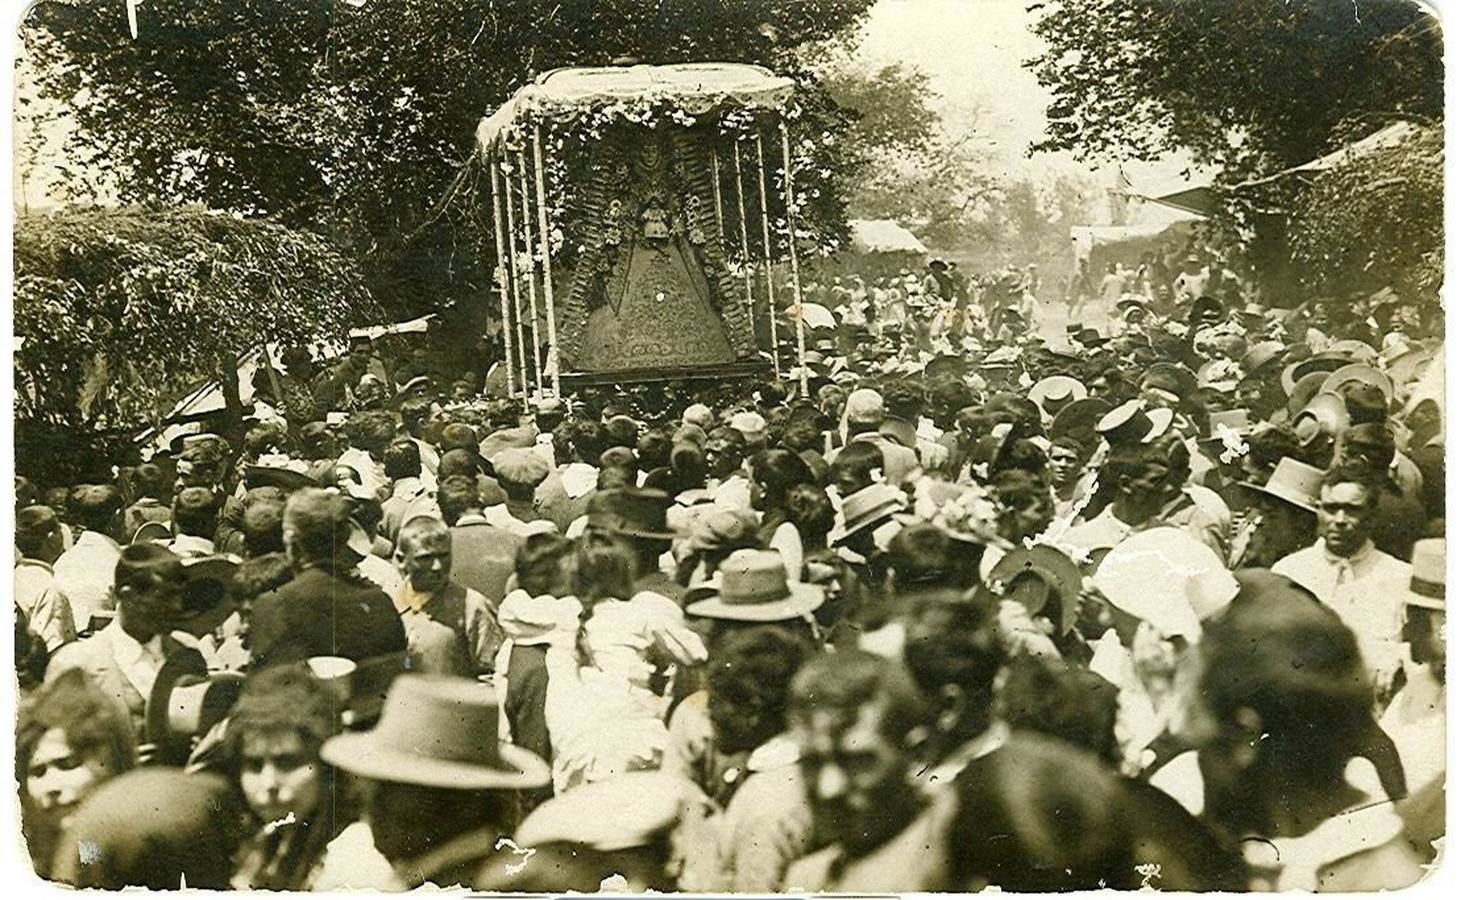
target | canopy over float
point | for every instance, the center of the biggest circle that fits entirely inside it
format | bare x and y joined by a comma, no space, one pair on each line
627,204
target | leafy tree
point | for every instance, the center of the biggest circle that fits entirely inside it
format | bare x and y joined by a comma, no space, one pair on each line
357,120
118,310
1375,221
1251,85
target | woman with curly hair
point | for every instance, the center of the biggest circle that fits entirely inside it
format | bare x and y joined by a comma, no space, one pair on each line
272,747
71,739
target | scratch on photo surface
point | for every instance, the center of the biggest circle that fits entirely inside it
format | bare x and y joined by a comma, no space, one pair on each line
88,852
1148,871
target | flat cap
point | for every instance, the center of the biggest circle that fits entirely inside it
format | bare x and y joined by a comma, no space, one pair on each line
520,466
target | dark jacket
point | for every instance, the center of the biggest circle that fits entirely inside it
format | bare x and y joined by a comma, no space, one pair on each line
321,613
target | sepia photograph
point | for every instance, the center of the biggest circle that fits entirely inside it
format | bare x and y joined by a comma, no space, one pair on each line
718,447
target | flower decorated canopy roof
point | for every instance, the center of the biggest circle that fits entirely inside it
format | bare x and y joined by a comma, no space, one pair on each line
633,93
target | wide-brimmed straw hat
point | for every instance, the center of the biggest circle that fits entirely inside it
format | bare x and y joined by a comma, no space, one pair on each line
1360,373
440,732
1059,573
1326,415
1323,362
754,586
1057,391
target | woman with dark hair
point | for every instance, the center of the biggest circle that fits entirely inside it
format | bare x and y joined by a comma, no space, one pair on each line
272,749
71,739
775,474
1279,705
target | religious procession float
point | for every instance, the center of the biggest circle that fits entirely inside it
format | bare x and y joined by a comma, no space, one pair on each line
638,213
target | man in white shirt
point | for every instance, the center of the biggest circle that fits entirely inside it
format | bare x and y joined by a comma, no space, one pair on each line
84,573
1366,587
45,606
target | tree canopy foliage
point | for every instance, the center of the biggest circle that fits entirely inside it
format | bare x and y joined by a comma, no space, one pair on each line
1250,85
356,121
119,310
1376,221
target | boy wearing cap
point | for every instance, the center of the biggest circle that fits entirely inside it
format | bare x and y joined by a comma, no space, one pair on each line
37,596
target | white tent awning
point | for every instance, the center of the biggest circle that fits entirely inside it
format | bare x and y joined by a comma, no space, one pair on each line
884,236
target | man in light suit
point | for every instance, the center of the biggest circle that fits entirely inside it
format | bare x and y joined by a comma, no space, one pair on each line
123,659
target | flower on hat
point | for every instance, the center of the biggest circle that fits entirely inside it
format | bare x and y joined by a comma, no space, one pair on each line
971,516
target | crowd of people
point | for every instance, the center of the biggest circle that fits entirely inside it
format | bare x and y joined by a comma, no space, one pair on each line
1161,608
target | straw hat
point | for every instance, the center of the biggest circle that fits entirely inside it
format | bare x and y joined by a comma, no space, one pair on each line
1055,569
619,813
865,507
1364,373
1323,362
1427,586
1359,350
1325,415
440,732
1053,393
1295,482
1306,388
187,701
754,586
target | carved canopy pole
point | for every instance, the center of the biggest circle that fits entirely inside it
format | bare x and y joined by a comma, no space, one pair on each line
514,282
528,223
501,271
768,257
747,257
554,361
793,257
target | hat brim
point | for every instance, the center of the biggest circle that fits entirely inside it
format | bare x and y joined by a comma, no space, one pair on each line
632,532
362,754
850,529
1295,498
803,599
1420,600
271,476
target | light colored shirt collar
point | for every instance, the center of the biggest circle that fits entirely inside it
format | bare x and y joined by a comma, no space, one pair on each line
776,753
471,518
33,563
1362,555
139,662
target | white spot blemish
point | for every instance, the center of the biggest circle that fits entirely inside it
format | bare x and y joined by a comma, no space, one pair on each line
514,848
88,852
1146,872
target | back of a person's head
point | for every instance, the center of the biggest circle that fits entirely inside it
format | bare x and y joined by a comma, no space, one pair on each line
905,400
811,512
845,680
604,571
922,557
1298,668
1063,701
653,449
257,575
187,833
196,512
149,480
621,431
457,462
263,528
402,459
541,560
94,506
1040,815
457,495
756,665
314,521
611,477
858,456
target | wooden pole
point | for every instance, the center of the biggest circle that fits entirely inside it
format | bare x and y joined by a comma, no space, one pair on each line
529,249
743,229
793,257
554,350
501,270
523,363
768,257
717,190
